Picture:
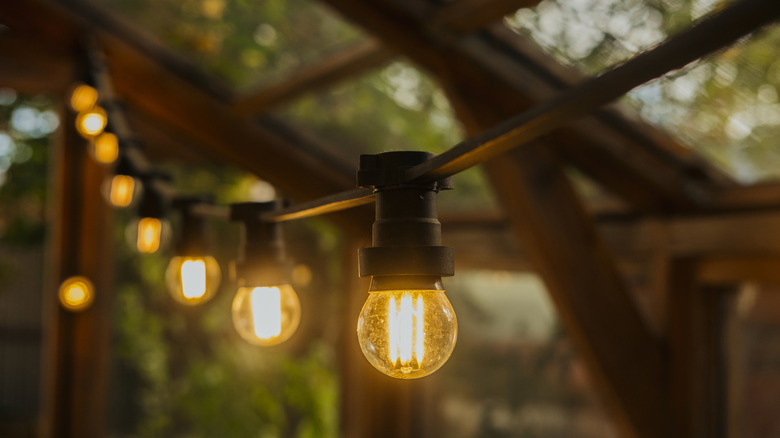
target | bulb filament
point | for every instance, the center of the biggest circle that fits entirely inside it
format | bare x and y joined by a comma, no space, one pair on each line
406,331
149,230
193,278
267,311
122,187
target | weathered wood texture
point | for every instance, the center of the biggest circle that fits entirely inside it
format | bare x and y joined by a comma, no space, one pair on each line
77,356
328,72
698,319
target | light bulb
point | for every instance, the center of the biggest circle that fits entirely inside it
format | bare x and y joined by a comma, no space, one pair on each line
105,148
83,98
76,293
407,333
193,280
91,122
148,234
266,315
121,190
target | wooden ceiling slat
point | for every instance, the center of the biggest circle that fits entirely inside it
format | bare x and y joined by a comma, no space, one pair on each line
326,73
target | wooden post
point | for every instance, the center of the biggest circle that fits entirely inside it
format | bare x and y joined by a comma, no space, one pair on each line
698,318
76,353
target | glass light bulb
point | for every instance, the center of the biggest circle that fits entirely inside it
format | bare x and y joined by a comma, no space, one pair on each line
76,293
105,148
266,315
83,97
149,235
193,280
91,122
407,334
121,190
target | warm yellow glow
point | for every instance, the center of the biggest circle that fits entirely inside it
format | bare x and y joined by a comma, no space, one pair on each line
266,315
267,311
407,333
105,148
91,122
122,190
83,98
192,280
149,233
76,293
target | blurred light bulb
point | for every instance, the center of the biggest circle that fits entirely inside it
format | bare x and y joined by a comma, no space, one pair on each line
149,235
193,280
91,122
407,334
76,293
105,148
266,315
83,98
121,190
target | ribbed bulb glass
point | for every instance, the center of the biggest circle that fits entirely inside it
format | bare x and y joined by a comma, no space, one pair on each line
76,293
83,97
91,122
407,334
105,148
266,316
148,234
193,280
121,190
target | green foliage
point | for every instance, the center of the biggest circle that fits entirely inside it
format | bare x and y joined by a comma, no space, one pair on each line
725,107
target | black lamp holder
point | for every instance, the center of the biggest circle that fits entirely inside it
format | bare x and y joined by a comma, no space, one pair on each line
153,203
262,259
192,241
406,251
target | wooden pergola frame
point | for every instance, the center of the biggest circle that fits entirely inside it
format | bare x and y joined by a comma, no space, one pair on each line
706,229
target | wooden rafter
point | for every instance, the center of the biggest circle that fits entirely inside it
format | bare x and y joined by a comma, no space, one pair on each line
649,175
328,72
471,15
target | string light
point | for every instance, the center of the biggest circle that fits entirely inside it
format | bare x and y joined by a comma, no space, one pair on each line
150,231
105,148
91,122
123,188
76,293
192,276
83,97
407,328
266,309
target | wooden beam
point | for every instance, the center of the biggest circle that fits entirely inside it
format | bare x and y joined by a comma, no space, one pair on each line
28,66
698,319
465,16
652,177
734,270
328,72
563,245
186,106
77,359
752,197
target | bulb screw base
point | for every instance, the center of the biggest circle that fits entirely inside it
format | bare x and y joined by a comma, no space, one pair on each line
262,259
407,231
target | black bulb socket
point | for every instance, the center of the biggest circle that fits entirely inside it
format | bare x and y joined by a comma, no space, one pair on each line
406,251
192,240
262,258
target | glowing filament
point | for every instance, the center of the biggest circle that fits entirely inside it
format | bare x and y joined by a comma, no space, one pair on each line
267,311
122,190
76,293
193,278
149,230
406,331
106,148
